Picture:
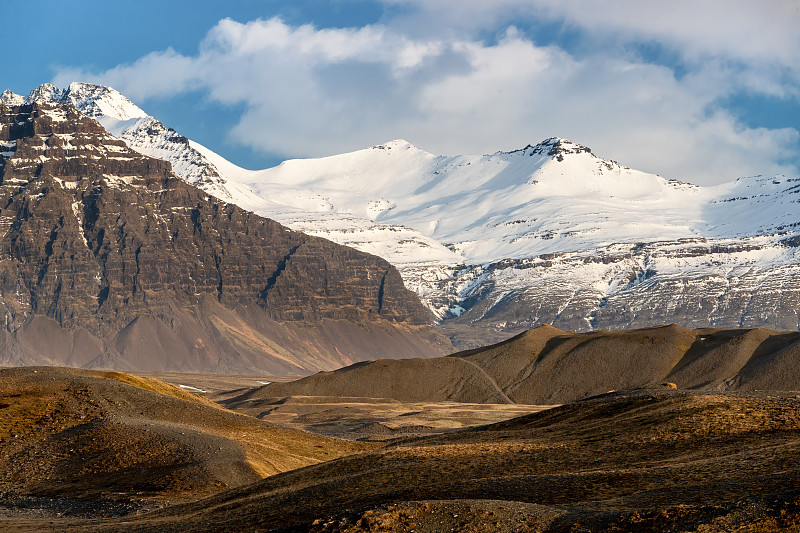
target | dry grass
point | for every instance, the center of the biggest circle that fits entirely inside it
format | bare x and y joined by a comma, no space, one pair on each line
374,419
645,461
159,387
67,432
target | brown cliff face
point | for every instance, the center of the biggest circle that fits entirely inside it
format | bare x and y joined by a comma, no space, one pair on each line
130,261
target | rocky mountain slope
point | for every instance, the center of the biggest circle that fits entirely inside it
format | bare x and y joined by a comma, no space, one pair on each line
501,243
549,366
108,259
201,167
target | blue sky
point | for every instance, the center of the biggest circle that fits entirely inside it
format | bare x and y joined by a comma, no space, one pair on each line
703,91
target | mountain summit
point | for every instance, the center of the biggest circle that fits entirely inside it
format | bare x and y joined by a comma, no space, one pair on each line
96,101
110,260
11,98
554,147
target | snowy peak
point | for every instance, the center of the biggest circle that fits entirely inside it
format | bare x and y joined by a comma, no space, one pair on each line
97,100
9,98
397,146
560,157
45,92
558,148
93,100
126,121
141,132
554,147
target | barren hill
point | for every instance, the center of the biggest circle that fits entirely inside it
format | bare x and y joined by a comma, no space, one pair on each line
69,433
109,260
546,366
643,461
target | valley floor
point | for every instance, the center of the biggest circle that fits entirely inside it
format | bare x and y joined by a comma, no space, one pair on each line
645,460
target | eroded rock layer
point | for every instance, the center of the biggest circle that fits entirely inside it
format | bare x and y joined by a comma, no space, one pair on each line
108,259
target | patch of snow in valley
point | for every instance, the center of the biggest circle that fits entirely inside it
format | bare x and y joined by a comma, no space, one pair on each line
192,389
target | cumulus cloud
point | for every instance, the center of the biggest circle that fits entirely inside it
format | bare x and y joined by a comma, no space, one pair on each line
312,92
157,74
741,30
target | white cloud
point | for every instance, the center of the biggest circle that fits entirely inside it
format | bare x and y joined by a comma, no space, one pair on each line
157,74
312,92
741,30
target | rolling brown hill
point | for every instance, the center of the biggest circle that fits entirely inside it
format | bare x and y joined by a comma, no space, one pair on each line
549,366
110,436
640,461
109,260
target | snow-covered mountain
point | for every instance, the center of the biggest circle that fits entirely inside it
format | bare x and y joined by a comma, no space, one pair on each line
548,233
298,208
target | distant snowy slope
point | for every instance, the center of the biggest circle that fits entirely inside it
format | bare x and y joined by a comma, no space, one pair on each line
553,234
320,211
553,197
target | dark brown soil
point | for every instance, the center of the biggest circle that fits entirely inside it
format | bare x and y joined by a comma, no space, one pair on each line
641,461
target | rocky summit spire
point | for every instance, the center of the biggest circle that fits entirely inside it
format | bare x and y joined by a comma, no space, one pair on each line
555,147
46,92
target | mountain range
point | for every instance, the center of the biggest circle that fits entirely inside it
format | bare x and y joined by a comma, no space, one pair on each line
497,244
500,243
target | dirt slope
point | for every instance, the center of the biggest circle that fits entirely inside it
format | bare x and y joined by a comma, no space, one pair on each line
549,366
641,461
436,380
77,433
